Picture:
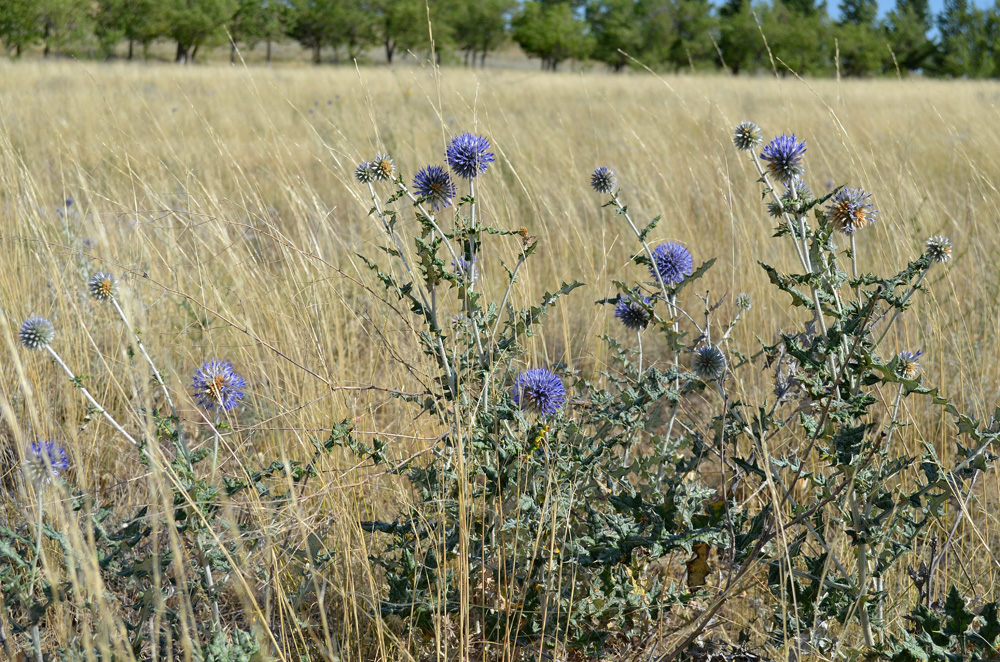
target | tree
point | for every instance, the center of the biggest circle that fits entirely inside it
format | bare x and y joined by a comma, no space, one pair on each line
332,23
402,24
138,21
861,43
193,22
965,44
481,27
739,37
255,21
906,29
616,27
20,24
63,20
551,32
801,41
678,33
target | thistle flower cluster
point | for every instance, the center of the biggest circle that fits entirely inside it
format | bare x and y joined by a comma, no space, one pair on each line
633,314
603,180
939,248
672,262
708,363
797,194
36,333
783,157
743,301
435,186
850,210
747,136
44,461
216,384
383,168
102,286
468,155
365,172
539,390
908,366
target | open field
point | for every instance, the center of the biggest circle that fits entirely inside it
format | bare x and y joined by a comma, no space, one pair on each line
225,201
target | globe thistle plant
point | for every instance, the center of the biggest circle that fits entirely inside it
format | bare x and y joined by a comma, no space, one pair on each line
939,248
672,262
36,333
709,363
539,390
434,185
383,168
783,156
850,210
216,384
603,180
743,301
796,195
633,314
747,136
102,286
468,155
365,173
44,462
908,364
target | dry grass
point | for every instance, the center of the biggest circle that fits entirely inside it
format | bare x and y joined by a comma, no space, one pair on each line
225,200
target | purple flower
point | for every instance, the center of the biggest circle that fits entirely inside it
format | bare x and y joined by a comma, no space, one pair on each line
784,158
540,390
469,155
633,315
434,185
44,462
672,262
216,384
850,210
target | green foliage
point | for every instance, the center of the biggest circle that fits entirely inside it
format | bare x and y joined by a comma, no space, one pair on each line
551,32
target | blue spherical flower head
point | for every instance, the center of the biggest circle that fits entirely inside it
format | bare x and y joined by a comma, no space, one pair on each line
434,185
216,384
36,333
44,462
633,315
539,390
469,155
850,210
747,136
466,269
708,363
939,248
908,366
365,172
603,180
784,158
673,263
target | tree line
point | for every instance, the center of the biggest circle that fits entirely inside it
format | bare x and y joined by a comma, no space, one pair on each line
670,35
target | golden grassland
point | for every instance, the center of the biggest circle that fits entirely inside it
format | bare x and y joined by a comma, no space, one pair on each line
224,199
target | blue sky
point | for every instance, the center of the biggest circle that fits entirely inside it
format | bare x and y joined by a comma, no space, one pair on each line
885,5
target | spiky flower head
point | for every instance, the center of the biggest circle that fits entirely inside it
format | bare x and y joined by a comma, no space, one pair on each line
103,286
36,333
797,194
709,363
673,262
603,180
850,210
747,136
383,168
784,158
44,461
466,269
539,390
633,315
939,248
908,366
216,384
743,301
364,173
434,185
469,155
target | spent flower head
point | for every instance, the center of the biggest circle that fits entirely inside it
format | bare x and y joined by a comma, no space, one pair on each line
939,248
747,136
672,262
850,210
603,180
216,384
908,366
36,333
784,158
468,155
434,185
383,168
539,390
743,301
103,286
365,173
633,314
709,363
44,461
